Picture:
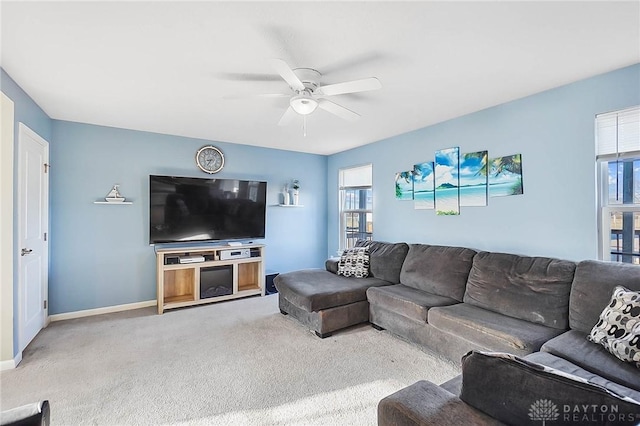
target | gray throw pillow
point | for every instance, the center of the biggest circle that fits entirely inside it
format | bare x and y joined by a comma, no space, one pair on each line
618,329
354,262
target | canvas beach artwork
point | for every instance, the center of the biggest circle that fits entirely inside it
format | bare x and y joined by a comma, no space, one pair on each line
423,186
447,195
473,179
505,176
404,185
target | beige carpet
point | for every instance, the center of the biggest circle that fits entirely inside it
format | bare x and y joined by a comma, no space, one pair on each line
235,363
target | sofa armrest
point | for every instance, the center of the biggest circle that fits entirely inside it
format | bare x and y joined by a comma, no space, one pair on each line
425,403
332,264
522,390
36,414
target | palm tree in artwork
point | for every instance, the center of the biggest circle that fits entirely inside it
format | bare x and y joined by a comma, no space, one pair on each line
482,157
511,164
406,176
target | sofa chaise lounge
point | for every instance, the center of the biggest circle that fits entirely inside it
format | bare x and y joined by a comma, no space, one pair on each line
326,302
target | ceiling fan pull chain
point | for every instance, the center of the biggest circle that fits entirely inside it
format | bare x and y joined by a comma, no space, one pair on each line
304,126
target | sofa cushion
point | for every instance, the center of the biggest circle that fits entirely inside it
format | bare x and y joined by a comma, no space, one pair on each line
489,329
385,259
549,360
574,347
592,287
427,404
437,269
406,301
317,289
354,262
522,392
535,289
618,330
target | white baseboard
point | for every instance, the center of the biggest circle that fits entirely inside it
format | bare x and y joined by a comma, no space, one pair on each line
100,311
11,363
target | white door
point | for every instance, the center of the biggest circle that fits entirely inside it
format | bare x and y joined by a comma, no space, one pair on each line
33,199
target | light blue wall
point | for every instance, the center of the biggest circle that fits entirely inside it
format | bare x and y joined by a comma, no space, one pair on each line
28,112
554,132
100,254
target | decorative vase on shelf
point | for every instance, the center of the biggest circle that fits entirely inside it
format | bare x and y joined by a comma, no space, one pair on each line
296,194
287,196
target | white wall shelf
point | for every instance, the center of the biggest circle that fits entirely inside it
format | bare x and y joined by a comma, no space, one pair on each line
113,203
289,205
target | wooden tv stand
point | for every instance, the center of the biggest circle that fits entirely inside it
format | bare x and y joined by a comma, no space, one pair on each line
179,283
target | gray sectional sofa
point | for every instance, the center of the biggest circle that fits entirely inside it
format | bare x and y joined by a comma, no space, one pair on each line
453,300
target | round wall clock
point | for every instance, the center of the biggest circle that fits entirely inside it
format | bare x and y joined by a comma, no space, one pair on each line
210,159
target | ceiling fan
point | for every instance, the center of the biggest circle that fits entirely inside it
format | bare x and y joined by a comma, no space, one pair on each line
308,94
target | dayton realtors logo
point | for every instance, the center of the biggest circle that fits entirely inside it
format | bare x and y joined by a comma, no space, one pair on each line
545,410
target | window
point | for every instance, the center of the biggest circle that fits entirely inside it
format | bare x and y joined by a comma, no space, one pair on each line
618,159
356,206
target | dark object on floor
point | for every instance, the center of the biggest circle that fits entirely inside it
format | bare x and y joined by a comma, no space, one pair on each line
270,288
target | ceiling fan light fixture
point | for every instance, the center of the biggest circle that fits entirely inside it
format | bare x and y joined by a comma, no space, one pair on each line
303,104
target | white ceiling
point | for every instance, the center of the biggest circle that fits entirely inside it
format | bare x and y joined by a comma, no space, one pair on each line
166,66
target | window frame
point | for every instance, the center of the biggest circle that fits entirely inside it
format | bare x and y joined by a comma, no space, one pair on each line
605,208
362,212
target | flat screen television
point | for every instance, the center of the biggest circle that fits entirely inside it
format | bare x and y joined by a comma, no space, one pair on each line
184,209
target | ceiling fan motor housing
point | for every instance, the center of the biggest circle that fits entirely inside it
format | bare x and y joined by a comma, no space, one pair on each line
309,77
303,102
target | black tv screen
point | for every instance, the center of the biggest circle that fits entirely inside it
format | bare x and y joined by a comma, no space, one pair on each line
183,209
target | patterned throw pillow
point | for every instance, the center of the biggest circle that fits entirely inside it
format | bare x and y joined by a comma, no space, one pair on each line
354,262
618,328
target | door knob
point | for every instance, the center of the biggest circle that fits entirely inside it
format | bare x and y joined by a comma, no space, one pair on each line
25,251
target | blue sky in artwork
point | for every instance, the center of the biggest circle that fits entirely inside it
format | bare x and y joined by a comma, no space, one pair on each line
470,170
447,166
505,176
447,157
423,173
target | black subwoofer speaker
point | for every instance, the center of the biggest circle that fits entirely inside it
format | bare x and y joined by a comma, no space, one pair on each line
268,282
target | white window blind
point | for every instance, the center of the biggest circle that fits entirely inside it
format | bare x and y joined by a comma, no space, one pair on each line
356,176
618,133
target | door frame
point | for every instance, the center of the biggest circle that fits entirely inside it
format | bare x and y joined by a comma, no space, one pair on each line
8,358
23,131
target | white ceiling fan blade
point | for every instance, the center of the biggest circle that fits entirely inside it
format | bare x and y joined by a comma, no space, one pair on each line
259,95
286,118
338,110
287,74
354,86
